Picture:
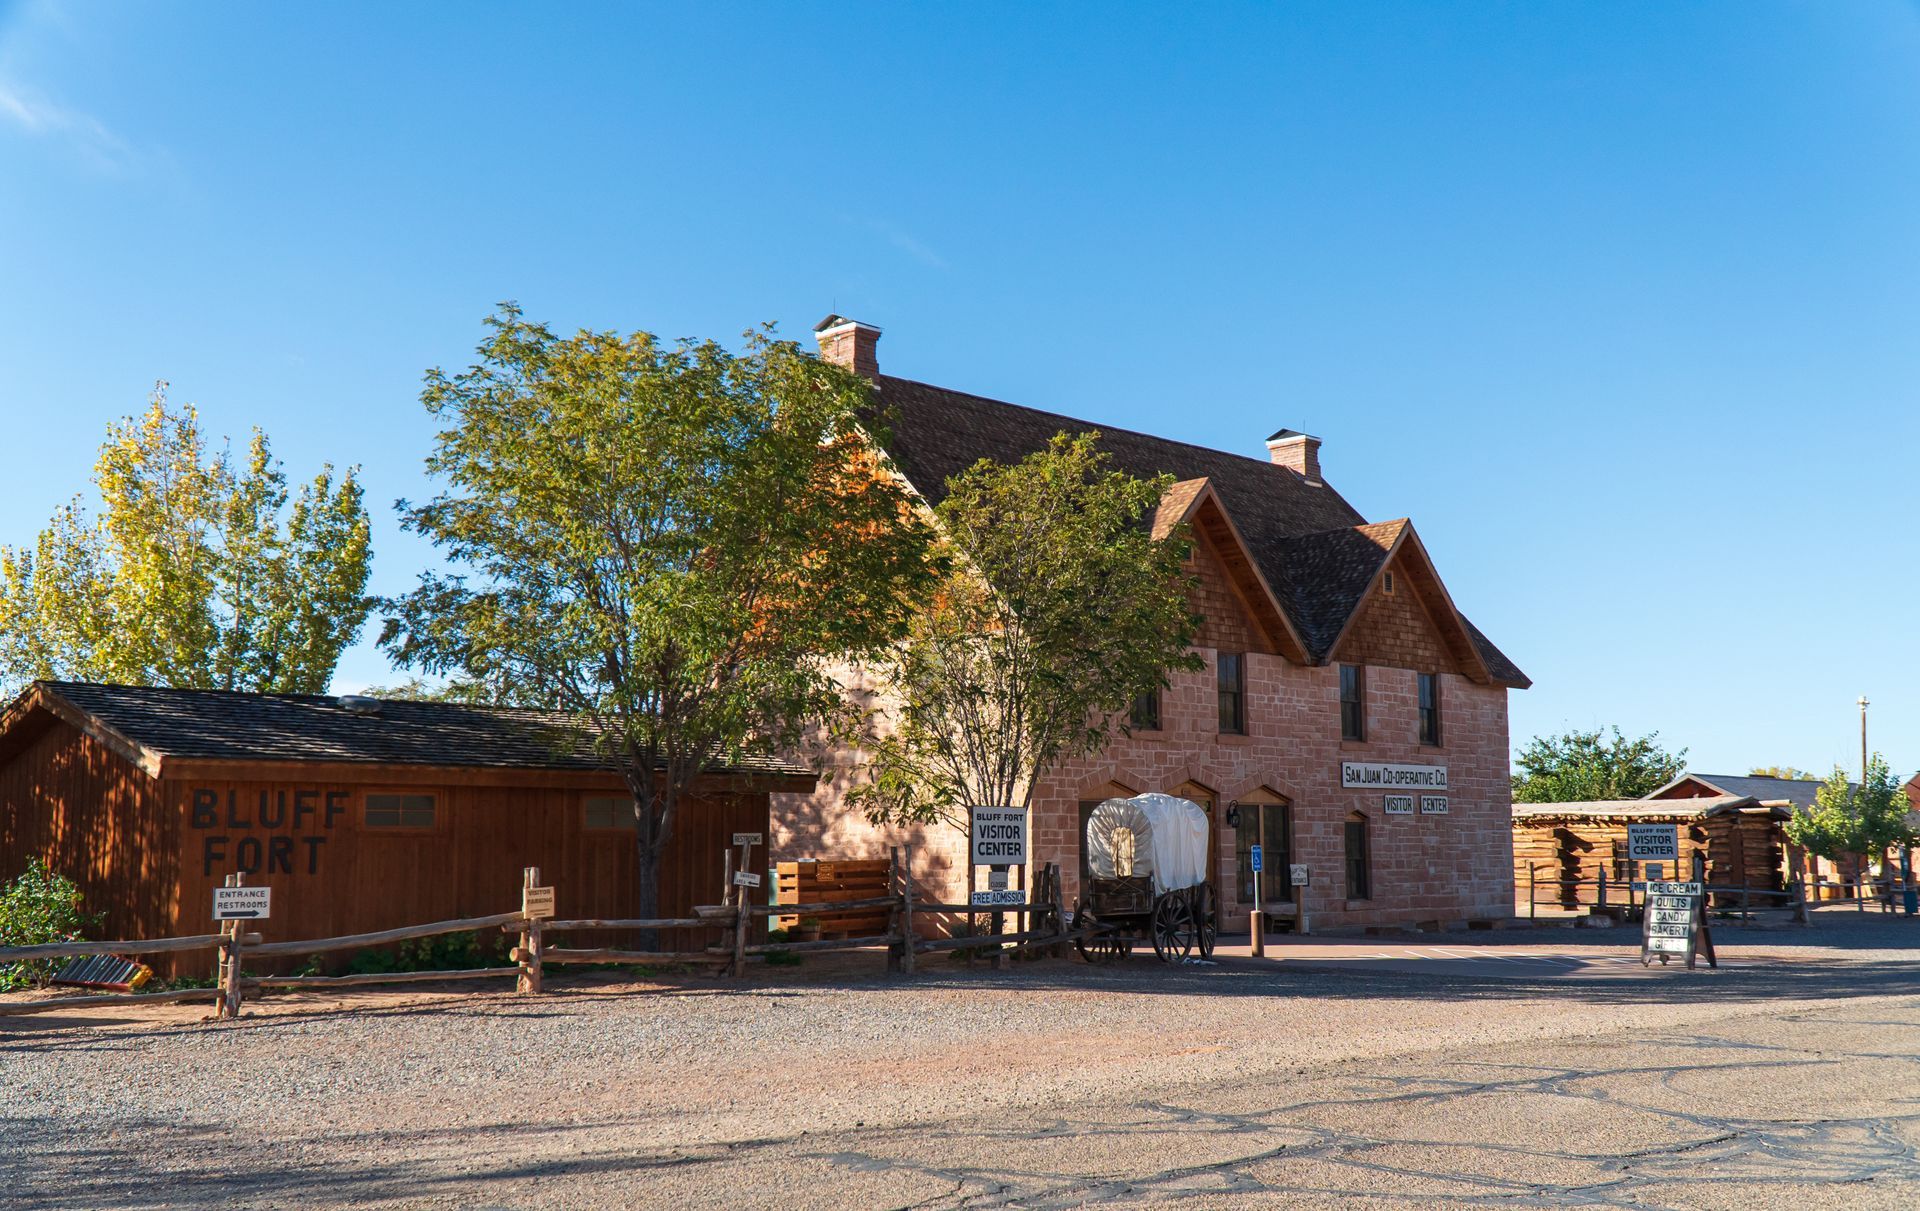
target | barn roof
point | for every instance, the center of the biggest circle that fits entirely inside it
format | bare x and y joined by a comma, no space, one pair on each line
151,725
1644,809
1316,551
1767,789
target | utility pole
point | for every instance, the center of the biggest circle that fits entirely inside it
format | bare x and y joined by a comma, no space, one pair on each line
1859,797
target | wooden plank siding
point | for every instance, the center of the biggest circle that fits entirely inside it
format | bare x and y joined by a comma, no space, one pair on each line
151,852
89,812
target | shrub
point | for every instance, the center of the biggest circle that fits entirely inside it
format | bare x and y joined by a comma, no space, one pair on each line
39,907
445,952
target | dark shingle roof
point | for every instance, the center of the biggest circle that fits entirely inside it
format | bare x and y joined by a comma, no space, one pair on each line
223,725
1796,791
1314,548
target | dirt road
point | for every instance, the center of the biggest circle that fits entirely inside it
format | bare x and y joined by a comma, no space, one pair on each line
1777,1082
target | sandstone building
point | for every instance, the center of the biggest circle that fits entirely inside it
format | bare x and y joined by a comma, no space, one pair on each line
1345,696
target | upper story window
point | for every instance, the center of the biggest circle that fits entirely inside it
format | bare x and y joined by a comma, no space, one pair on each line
1231,675
400,811
1429,708
1353,702
607,811
1145,713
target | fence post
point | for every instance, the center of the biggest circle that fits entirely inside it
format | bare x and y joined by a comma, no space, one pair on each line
906,912
1533,900
1601,900
230,956
894,915
532,945
741,915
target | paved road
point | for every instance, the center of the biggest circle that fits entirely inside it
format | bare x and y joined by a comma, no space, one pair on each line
1787,1080
1510,962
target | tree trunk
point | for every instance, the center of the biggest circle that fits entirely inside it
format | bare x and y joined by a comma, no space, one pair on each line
647,886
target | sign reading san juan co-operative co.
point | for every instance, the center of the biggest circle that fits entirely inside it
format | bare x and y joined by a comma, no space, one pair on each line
999,836
1377,775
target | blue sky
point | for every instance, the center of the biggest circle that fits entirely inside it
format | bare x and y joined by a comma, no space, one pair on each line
1618,302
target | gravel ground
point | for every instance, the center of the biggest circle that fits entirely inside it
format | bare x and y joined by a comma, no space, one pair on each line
1049,1084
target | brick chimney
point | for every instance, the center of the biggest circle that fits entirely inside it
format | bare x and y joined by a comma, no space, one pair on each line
1297,452
849,343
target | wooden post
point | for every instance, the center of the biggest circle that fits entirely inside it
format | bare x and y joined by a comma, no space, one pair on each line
740,918
230,951
906,913
1601,901
973,880
1533,900
893,916
532,946
1021,918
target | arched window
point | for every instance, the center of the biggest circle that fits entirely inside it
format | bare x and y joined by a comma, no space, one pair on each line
1359,859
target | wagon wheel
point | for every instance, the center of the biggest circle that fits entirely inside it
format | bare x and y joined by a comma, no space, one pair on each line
1173,928
1103,946
1206,918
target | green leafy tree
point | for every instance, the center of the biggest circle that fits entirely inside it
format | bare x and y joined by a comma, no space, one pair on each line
1059,609
195,573
1583,766
1787,772
1846,819
36,909
671,544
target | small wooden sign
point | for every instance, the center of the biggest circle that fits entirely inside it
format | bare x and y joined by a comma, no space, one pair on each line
745,878
242,903
749,838
536,903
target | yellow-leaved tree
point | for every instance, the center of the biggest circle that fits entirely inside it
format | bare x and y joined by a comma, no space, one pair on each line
194,572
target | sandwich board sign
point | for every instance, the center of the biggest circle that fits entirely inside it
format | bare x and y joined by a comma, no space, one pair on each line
1653,843
1674,926
242,903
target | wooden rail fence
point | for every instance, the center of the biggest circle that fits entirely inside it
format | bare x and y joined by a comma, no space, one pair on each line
531,955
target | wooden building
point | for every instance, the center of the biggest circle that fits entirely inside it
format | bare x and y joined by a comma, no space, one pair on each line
1829,878
1563,848
360,814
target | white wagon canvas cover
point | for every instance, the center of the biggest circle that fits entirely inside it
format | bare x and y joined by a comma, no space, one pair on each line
1156,835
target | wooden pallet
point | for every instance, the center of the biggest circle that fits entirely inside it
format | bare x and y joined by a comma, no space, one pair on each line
824,882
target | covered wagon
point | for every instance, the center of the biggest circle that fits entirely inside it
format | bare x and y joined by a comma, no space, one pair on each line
1148,861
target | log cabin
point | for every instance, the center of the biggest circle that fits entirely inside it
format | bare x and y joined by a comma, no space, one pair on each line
361,814
1562,849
